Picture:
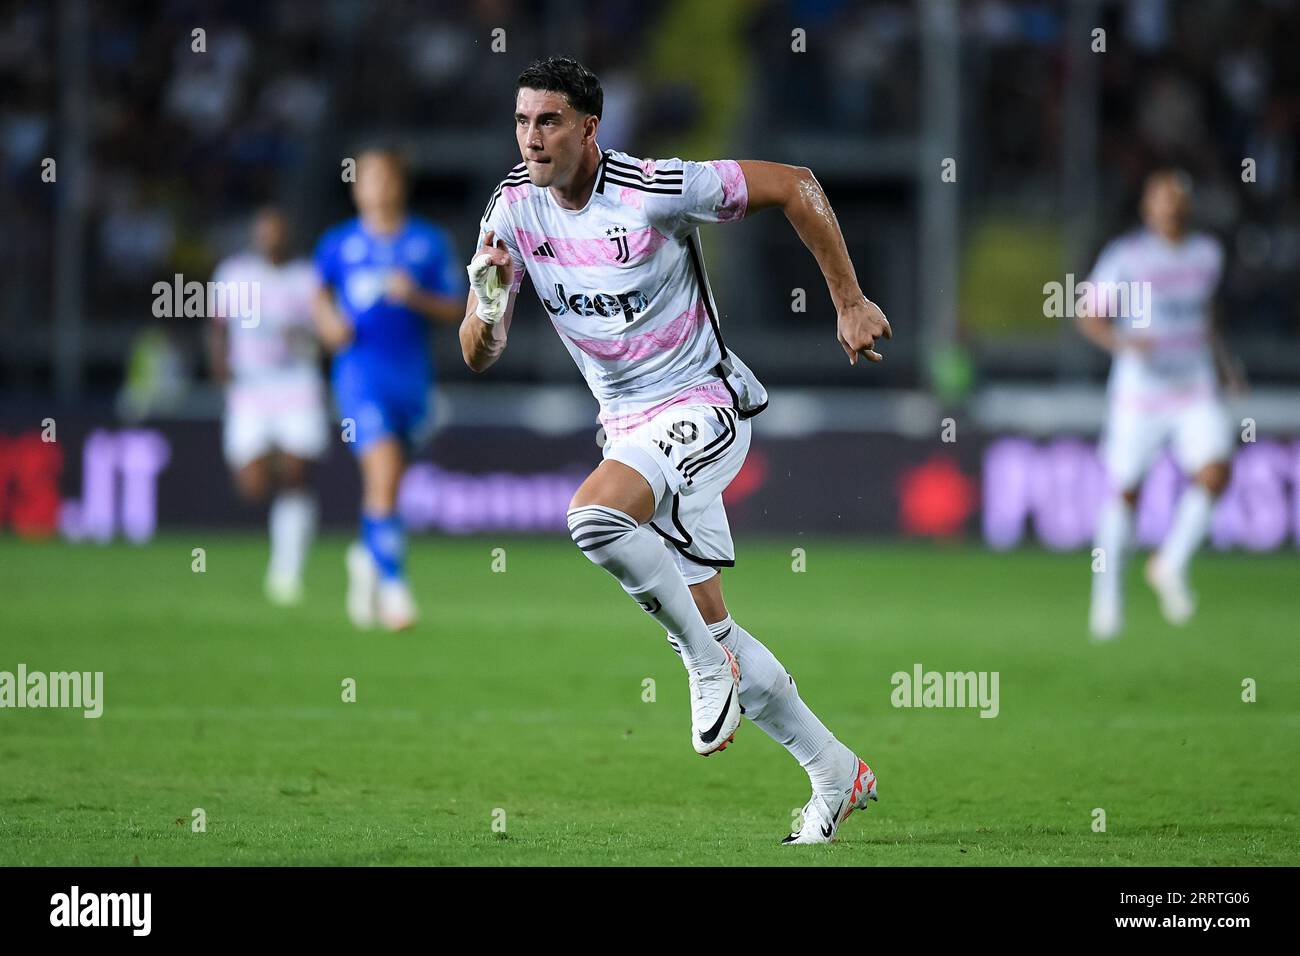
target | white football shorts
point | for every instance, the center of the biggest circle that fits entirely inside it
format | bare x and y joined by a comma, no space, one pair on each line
260,421
689,454
1199,432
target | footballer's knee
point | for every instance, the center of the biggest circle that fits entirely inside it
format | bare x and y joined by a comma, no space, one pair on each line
253,481
1214,477
598,530
598,526
293,472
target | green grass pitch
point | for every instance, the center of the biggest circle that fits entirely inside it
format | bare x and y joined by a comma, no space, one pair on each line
519,700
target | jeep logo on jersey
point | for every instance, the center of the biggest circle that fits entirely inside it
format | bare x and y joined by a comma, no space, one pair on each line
602,303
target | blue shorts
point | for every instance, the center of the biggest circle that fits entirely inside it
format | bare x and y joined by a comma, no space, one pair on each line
381,405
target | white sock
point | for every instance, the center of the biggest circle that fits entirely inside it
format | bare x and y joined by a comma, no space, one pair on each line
769,698
293,524
635,556
1191,523
1114,535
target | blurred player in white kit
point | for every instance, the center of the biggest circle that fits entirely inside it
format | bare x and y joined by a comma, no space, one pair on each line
275,416
1163,389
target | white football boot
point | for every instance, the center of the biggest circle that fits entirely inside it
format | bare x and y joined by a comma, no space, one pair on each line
363,579
715,705
396,607
283,590
1177,603
822,815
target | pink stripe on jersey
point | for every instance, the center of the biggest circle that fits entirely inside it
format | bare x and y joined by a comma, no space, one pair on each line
1189,274
631,197
710,393
641,245
293,393
513,194
1164,400
666,337
735,191
1180,340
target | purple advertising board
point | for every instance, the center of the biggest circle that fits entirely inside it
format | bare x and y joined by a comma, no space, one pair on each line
99,483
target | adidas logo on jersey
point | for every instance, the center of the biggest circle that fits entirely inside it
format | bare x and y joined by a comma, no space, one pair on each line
544,251
628,304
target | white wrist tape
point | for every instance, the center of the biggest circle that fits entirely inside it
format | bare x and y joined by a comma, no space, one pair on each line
485,280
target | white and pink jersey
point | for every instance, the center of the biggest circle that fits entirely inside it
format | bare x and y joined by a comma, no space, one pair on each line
623,281
1177,284
273,349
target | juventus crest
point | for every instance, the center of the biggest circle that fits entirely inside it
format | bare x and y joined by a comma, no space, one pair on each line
618,236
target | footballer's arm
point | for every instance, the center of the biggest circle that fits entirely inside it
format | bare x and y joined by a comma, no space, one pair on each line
218,346
795,190
1229,368
481,343
1095,326
332,328
403,288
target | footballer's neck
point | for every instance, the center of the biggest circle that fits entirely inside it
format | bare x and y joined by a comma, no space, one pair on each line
384,222
576,193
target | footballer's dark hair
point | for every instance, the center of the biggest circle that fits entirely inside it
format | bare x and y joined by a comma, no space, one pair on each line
562,74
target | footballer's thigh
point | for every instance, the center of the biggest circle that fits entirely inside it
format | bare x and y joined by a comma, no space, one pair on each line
692,519
248,440
302,436
615,484
671,467
253,479
1203,439
1132,441
292,470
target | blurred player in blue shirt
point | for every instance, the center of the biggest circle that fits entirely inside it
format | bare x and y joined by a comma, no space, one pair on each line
384,275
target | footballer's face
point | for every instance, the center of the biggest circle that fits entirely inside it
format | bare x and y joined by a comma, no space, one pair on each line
552,136
381,186
1166,204
270,234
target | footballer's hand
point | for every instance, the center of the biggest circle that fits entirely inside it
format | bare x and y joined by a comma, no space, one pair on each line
491,273
400,286
336,334
859,327
334,331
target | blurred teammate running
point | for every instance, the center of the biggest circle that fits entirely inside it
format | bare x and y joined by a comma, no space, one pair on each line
275,424
383,275
1163,390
